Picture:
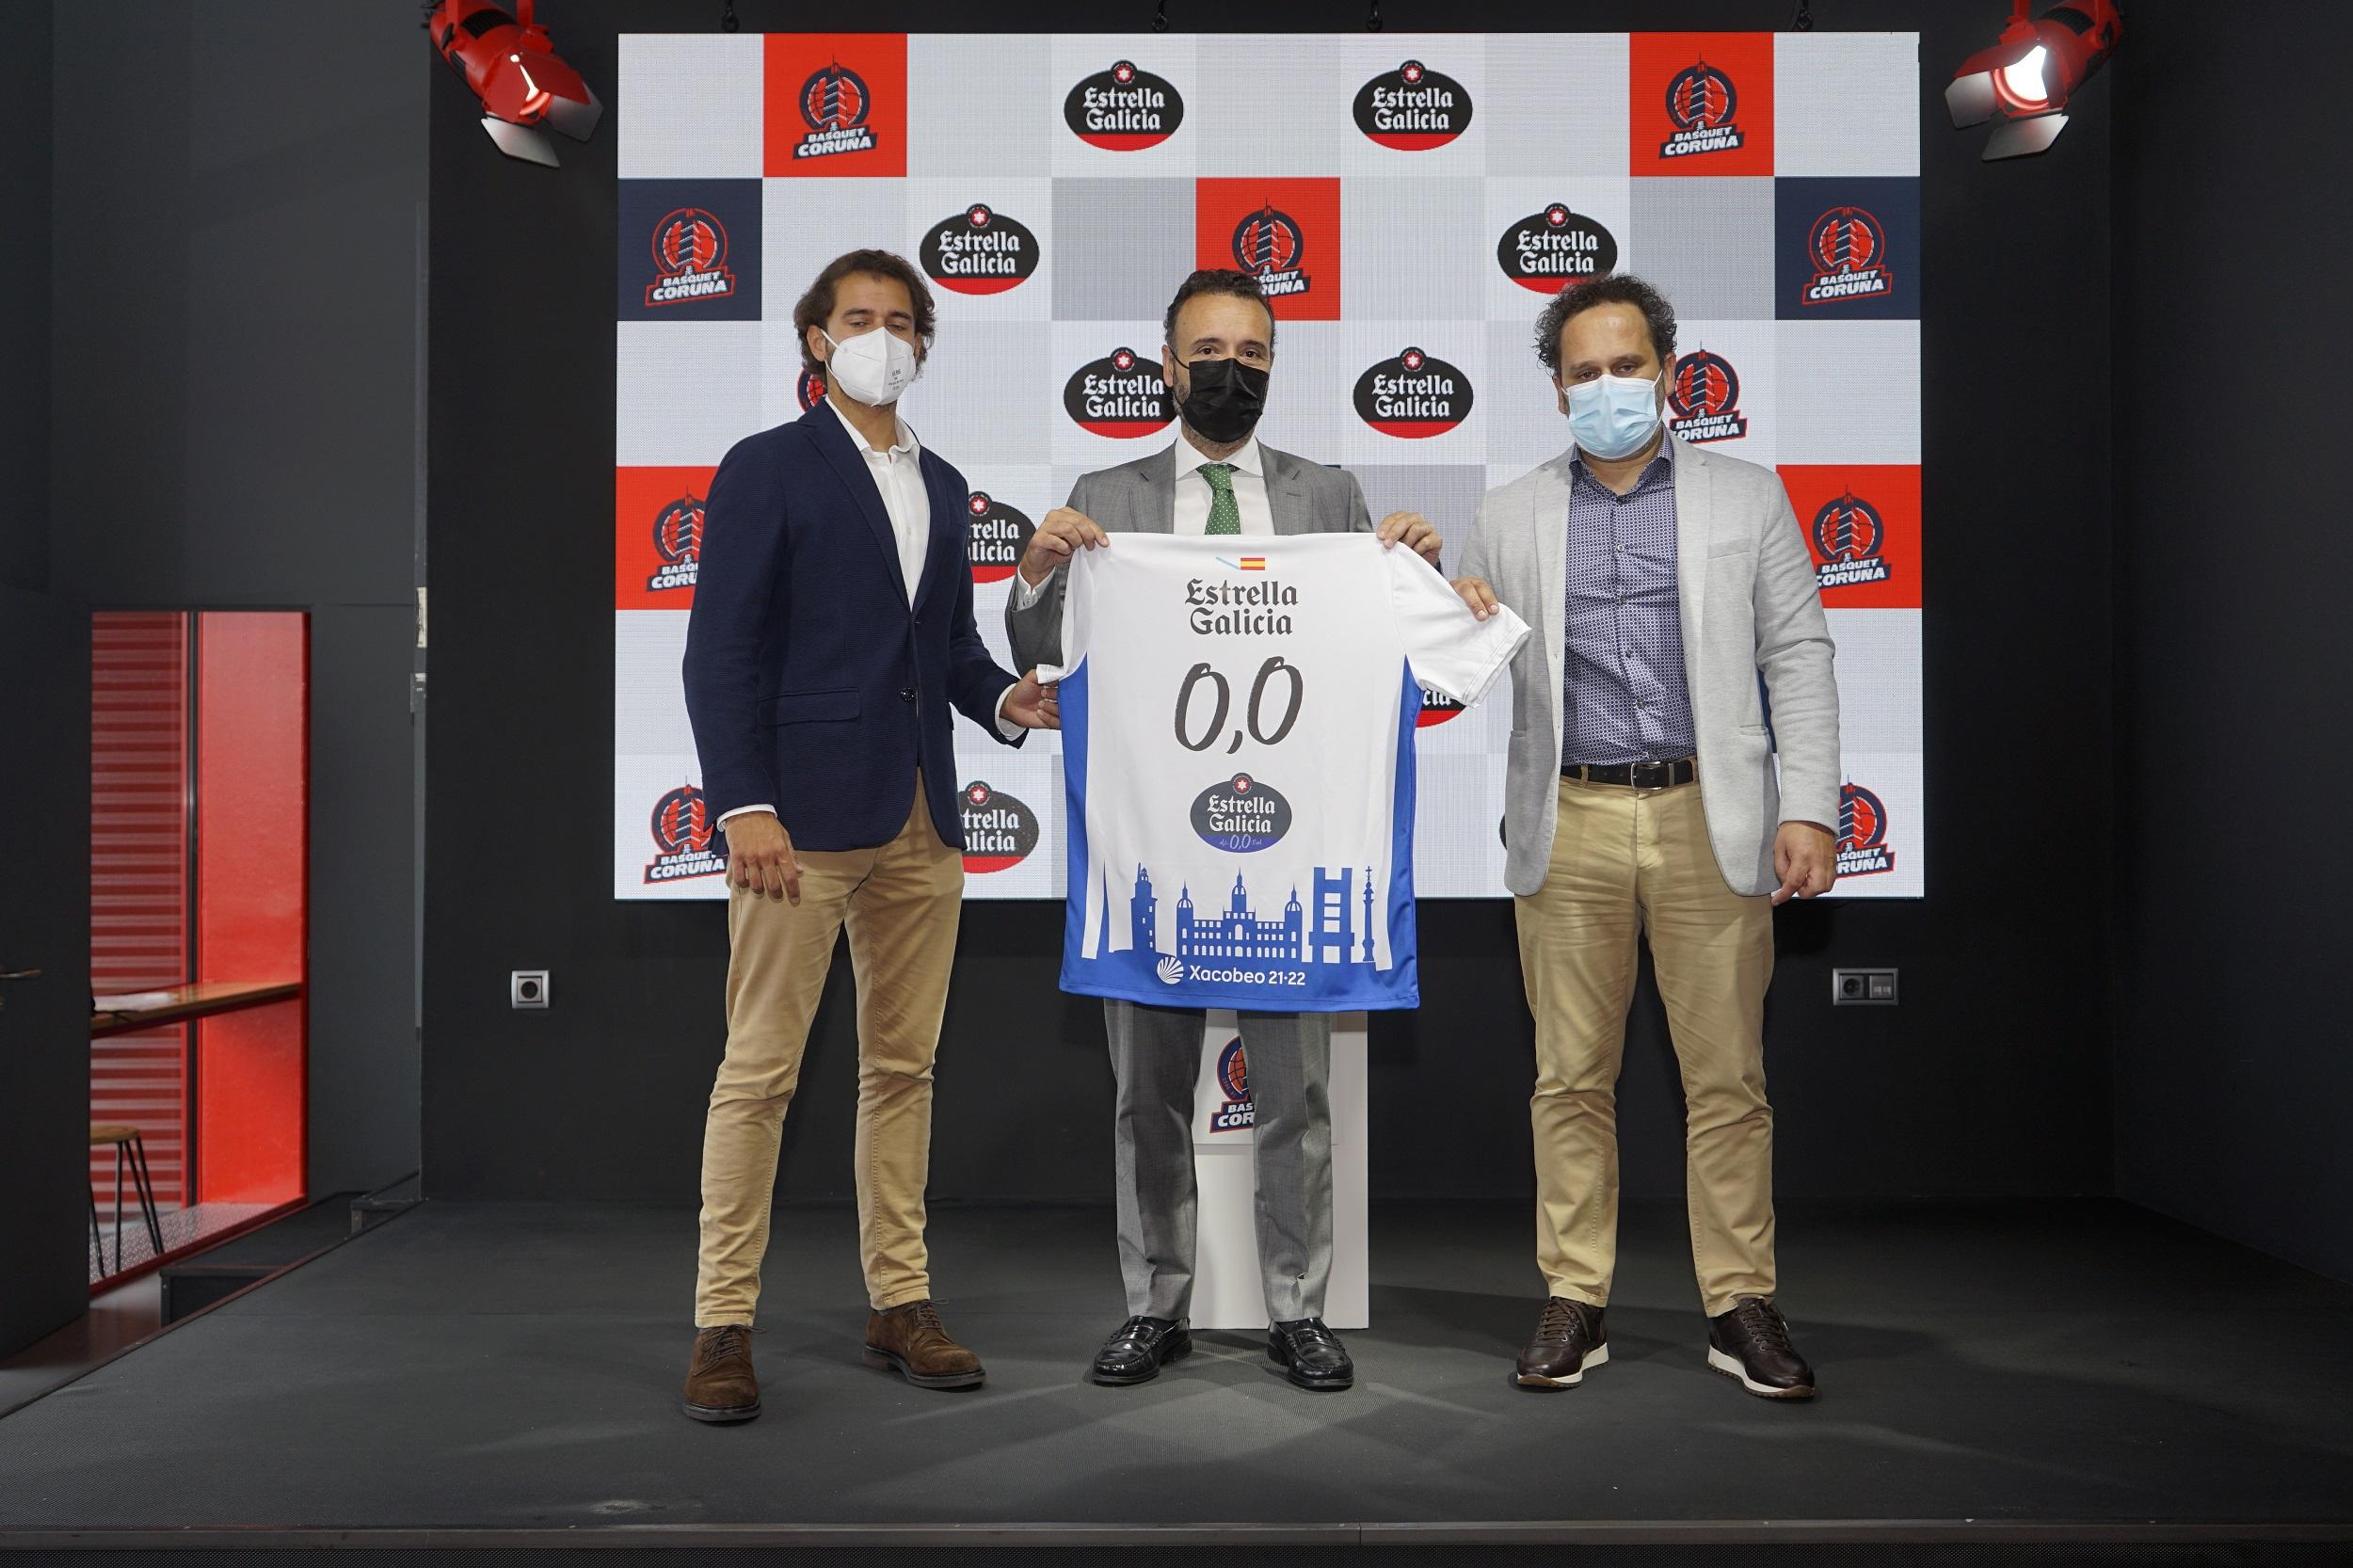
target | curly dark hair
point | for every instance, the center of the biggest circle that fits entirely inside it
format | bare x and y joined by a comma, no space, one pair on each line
815,307
1218,279
1619,288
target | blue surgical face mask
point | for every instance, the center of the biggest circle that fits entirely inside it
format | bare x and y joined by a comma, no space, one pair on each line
1613,416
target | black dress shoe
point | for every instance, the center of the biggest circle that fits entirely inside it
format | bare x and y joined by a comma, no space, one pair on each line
1751,1342
1311,1354
1569,1340
1139,1349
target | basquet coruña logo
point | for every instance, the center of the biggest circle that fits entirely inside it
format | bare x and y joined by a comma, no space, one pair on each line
1701,103
686,844
1845,247
978,251
1238,1114
690,259
1703,400
998,830
1269,245
1123,109
1413,397
1241,814
995,537
1413,109
1120,394
1550,250
677,541
1862,833
808,390
834,105
1848,536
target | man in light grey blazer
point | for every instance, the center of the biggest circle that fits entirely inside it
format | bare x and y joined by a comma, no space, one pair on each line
1679,642
1214,479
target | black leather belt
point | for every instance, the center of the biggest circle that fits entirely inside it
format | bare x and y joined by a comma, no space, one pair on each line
1637,775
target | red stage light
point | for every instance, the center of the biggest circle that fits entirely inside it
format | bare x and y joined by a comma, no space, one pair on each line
508,64
2027,77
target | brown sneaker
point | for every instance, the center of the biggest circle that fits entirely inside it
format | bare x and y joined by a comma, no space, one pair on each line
909,1340
720,1387
1569,1342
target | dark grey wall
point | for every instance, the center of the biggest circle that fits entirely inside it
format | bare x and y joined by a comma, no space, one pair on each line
1991,1078
24,100
2234,545
234,415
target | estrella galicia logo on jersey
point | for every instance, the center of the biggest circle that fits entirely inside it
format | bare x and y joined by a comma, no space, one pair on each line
994,538
978,252
1268,246
686,842
1413,397
998,830
808,390
1862,833
1555,250
1703,400
1238,1115
1701,103
834,105
1436,708
1120,394
1848,536
1413,109
677,539
1241,814
1123,109
689,258
1846,248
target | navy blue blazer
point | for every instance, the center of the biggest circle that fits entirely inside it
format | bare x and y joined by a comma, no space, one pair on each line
811,682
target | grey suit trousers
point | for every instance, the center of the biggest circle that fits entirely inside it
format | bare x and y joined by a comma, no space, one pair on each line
1156,1056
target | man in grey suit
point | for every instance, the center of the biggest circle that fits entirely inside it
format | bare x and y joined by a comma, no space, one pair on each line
1214,479
1662,580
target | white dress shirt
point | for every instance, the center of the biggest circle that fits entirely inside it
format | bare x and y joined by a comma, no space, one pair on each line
899,476
1195,498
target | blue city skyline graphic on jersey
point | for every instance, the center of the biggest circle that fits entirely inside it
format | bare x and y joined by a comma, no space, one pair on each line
1327,932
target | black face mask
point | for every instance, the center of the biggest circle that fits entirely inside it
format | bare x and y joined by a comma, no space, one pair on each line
1226,399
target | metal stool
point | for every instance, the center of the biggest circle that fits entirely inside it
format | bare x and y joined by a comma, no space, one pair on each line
128,1148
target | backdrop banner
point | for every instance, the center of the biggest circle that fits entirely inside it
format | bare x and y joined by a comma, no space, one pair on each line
1408,201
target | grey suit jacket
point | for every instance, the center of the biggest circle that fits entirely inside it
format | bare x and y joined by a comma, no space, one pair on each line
1749,606
1141,498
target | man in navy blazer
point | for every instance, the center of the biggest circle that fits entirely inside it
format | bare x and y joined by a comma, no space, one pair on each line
832,631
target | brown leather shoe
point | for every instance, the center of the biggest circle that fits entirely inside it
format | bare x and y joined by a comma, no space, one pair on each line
720,1387
1569,1339
909,1341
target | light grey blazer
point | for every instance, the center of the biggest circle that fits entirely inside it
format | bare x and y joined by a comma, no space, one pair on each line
1141,498
1749,606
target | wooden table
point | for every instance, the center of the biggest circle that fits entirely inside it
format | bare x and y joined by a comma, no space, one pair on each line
204,1001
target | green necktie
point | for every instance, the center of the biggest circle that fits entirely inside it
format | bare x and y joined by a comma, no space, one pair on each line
1224,517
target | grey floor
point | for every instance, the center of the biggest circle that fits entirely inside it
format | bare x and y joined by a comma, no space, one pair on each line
518,1367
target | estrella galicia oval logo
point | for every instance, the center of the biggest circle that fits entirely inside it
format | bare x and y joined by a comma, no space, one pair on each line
1704,399
978,251
1436,708
689,258
1701,103
808,390
1270,246
1844,245
1413,397
1556,248
677,541
1862,833
1123,109
1238,1112
1241,814
1848,535
998,830
995,537
1120,395
686,842
1413,109
834,105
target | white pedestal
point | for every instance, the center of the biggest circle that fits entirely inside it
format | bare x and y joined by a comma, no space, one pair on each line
1226,1291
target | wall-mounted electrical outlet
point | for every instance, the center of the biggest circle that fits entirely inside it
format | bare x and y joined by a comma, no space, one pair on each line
1862,988
528,989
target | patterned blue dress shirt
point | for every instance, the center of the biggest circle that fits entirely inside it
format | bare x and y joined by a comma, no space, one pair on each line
1624,697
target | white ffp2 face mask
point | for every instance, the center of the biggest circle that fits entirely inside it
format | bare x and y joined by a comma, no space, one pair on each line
874,367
